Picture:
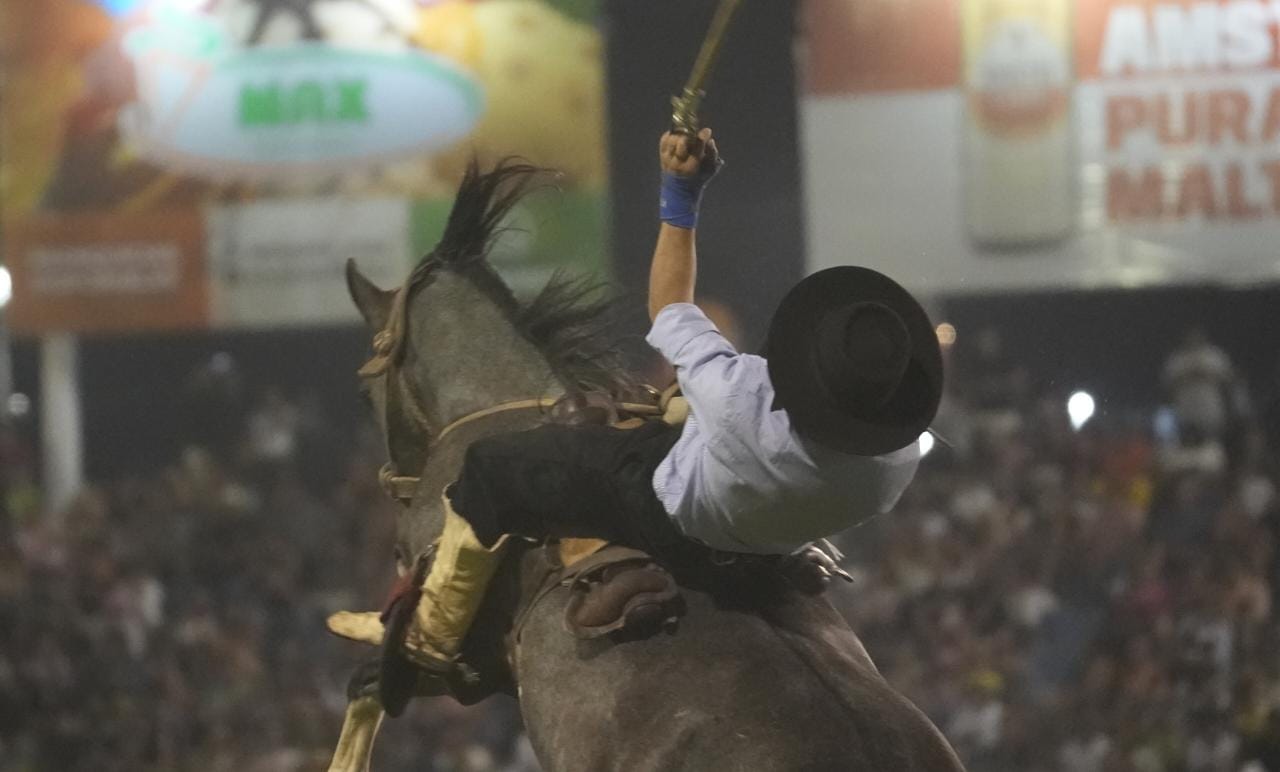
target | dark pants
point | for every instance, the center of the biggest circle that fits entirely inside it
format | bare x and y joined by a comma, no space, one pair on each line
569,481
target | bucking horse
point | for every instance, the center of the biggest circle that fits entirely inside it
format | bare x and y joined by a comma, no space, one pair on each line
758,672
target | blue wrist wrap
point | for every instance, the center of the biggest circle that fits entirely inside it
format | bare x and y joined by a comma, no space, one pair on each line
678,204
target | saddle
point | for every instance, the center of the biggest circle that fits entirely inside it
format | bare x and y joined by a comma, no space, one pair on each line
627,593
616,589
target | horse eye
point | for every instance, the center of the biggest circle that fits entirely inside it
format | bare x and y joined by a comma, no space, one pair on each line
365,396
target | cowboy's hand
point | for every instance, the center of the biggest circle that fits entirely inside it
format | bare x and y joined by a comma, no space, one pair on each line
686,156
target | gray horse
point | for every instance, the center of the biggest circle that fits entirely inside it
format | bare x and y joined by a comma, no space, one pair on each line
757,675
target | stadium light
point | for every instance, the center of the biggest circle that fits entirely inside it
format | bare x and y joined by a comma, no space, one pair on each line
1080,408
926,444
222,363
946,334
19,405
6,286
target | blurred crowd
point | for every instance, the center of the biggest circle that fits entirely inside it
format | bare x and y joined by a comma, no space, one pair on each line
1058,590
1086,593
175,621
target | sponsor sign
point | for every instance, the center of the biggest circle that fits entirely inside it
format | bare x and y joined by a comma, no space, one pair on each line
1009,144
284,138
108,276
280,263
211,108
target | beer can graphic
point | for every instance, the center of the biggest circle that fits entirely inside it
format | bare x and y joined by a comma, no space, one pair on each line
1018,147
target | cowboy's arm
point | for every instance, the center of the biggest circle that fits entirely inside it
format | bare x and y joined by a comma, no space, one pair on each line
687,164
674,270
706,364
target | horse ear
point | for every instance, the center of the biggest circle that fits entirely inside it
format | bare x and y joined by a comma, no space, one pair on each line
374,303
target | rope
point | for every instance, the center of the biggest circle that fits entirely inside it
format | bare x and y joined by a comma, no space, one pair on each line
522,404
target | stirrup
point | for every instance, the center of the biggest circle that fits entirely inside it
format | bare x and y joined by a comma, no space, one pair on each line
634,596
426,659
407,671
398,675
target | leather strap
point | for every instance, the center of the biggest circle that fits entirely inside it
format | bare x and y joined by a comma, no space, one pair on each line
398,487
521,404
608,556
403,487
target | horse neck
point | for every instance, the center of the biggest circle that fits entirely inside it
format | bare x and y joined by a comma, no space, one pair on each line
465,353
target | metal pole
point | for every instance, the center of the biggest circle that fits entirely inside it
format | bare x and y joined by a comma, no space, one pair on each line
61,430
6,367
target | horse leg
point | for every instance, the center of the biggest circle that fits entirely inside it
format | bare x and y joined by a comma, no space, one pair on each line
359,729
361,723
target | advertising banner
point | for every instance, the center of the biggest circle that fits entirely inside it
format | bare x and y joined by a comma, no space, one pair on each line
94,272
980,145
230,155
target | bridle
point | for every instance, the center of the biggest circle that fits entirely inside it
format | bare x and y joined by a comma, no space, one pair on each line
402,406
402,487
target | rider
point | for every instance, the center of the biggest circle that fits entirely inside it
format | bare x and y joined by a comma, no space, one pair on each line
776,453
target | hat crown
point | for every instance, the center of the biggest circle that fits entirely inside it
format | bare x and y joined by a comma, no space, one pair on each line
854,361
861,353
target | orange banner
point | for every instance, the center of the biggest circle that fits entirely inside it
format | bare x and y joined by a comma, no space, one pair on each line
99,273
882,45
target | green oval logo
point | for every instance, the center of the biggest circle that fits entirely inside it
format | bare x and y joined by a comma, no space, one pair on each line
264,112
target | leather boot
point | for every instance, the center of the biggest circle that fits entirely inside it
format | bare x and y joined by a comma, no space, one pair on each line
451,595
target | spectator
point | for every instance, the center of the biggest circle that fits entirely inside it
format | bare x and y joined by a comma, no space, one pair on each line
1086,748
995,387
1200,382
1271,411
273,429
977,722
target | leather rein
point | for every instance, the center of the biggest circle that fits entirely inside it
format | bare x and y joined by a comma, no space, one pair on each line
403,487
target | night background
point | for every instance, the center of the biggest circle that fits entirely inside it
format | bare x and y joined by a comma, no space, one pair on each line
188,476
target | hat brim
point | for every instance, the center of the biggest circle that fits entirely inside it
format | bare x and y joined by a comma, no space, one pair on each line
813,413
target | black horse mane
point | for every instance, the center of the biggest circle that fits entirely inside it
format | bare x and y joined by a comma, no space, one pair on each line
571,321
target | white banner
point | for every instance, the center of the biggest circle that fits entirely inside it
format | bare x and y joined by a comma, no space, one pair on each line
1127,145
280,263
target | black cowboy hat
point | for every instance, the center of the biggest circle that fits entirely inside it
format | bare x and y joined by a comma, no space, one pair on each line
855,361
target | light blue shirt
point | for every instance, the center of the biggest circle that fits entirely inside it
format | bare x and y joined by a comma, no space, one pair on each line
739,479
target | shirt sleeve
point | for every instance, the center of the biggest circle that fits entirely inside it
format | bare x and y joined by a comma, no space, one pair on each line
707,365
